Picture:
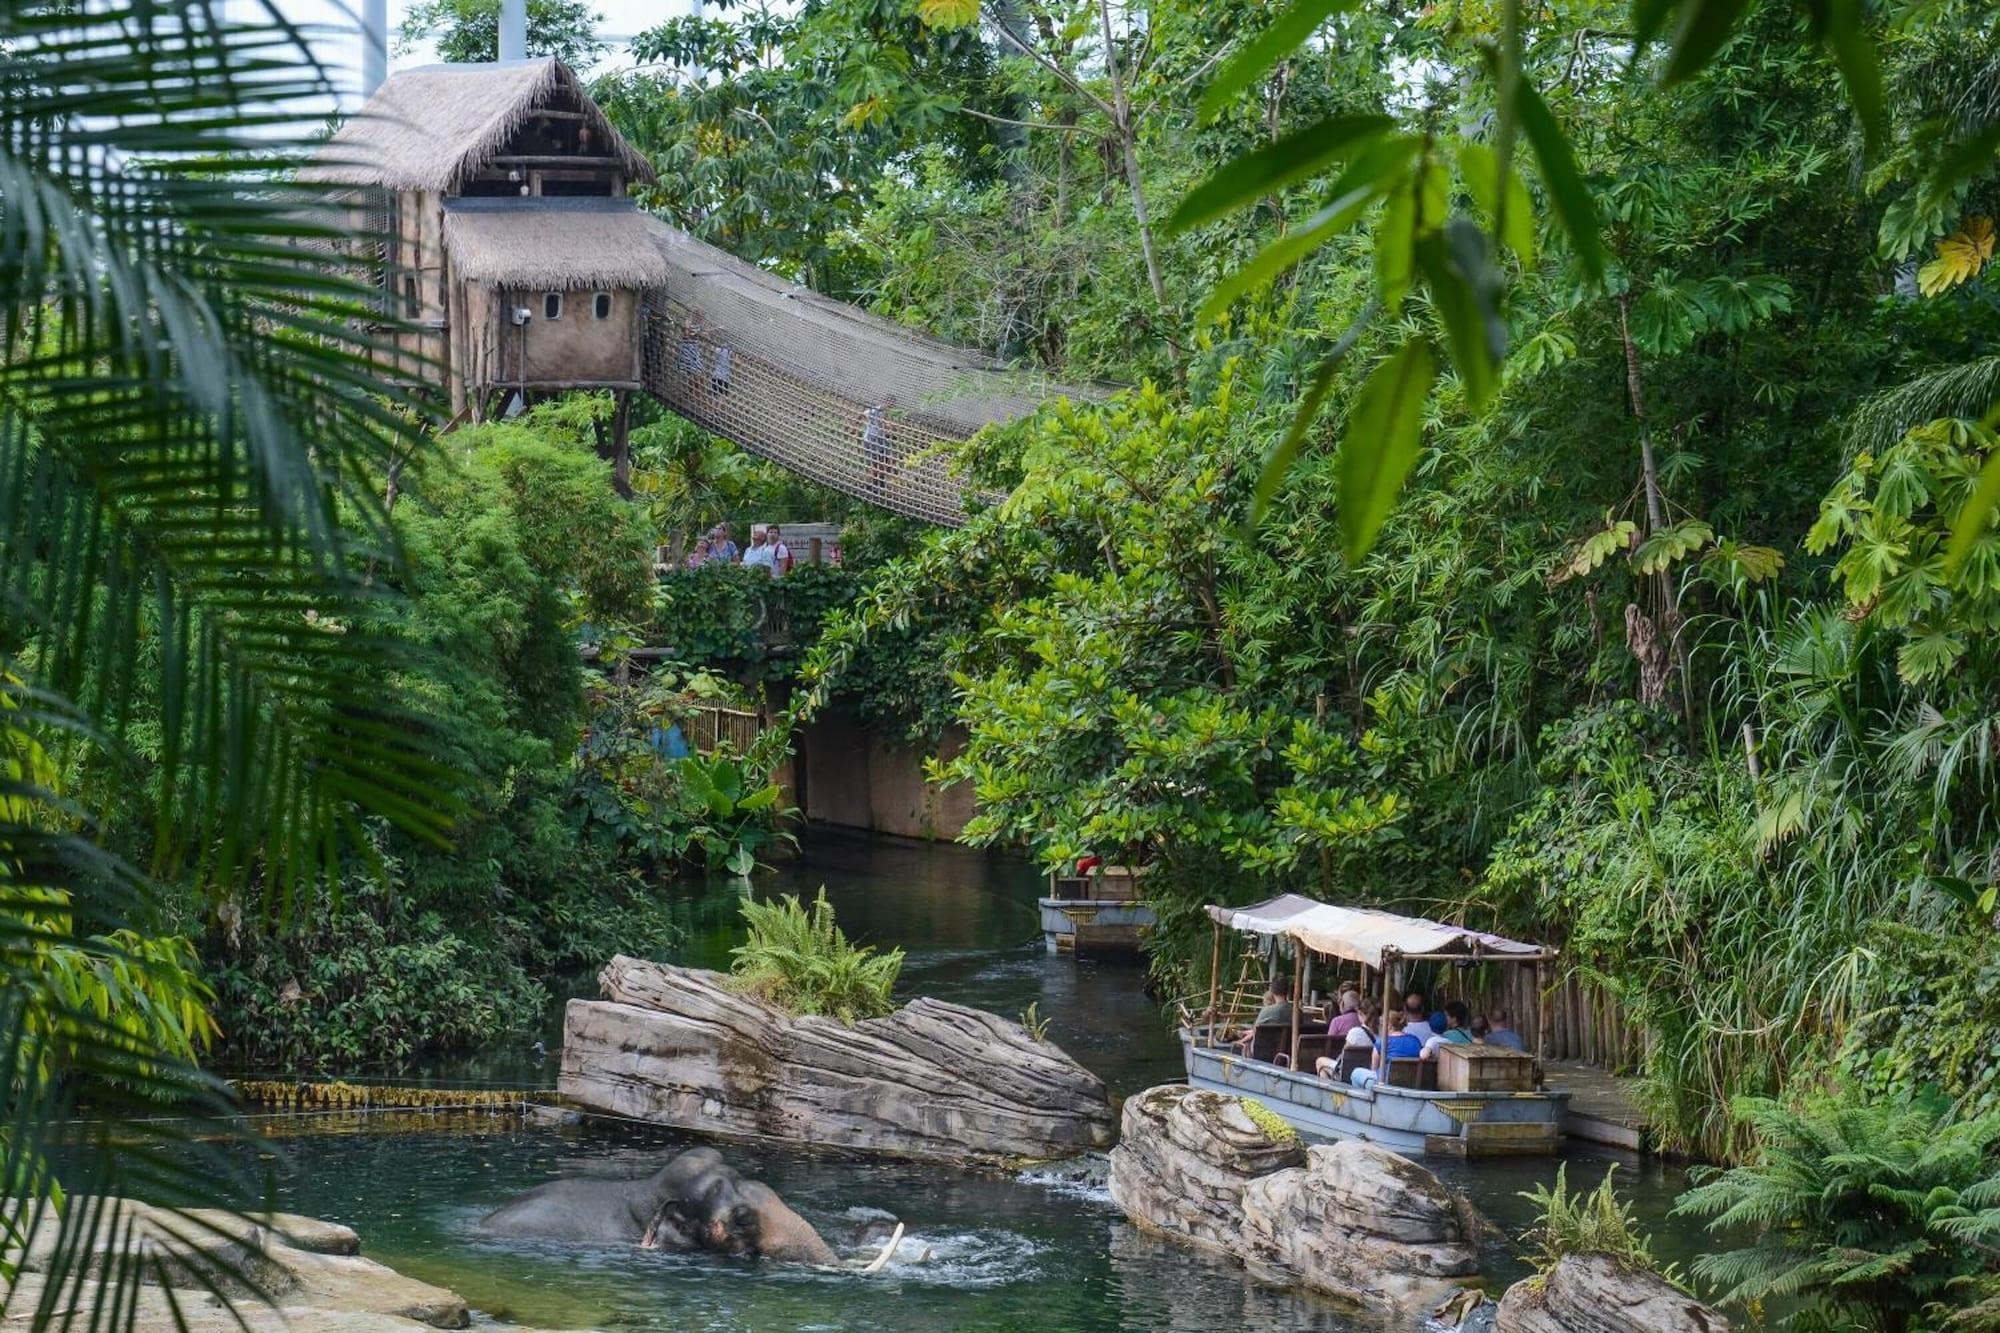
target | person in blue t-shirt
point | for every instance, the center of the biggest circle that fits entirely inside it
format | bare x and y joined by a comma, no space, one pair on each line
1501,1032
1399,1044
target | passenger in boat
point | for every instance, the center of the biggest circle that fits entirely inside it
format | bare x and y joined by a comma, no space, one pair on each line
1502,1033
1348,1014
1414,1021
1360,1036
1480,1029
1277,1011
1457,1029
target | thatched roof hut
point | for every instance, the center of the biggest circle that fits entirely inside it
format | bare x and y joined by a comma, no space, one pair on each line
554,244
436,127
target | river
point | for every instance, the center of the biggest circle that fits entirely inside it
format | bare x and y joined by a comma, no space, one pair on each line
1035,1252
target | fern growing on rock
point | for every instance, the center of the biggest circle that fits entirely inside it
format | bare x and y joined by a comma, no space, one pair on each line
798,959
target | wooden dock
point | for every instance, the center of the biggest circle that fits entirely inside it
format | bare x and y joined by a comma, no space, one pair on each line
1601,1107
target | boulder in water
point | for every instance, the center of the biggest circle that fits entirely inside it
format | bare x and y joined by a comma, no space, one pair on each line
1351,1219
933,1081
1600,1293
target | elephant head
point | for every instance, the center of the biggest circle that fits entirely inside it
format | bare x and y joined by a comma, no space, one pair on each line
717,1209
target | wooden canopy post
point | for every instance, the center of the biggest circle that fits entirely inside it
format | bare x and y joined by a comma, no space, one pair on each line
1298,995
1214,980
1388,996
1541,1018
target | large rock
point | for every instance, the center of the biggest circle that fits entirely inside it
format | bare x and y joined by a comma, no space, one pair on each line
1183,1159
278,1270
1351,1219
1363,1223
932,1081
1598,1293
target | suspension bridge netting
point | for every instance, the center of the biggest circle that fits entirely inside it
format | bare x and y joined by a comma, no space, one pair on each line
850,400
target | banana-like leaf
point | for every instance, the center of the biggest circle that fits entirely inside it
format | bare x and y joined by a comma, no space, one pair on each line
1265,170
1384,437
1287,32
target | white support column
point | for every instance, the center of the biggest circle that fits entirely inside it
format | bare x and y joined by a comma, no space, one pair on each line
513,29
374,45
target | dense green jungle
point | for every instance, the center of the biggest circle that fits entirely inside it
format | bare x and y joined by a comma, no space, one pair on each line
1627,577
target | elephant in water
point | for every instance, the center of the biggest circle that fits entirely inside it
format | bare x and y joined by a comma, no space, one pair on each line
696,1201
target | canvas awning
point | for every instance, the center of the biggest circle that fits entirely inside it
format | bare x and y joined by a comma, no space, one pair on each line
1362,935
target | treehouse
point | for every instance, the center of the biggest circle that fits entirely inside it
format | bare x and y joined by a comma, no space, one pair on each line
516,261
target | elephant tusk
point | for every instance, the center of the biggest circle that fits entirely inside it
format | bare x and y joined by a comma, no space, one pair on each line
888,1251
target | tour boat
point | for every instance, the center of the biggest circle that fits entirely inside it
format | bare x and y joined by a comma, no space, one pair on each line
1098,913
1482,1100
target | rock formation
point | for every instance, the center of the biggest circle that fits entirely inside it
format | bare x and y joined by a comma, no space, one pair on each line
279,1271
1599,1293
932,1081
1350,1219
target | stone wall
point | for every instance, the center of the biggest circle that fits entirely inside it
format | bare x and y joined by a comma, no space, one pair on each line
932,1081
1351,1219
859,779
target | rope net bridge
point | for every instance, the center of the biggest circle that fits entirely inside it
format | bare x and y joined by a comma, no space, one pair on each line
854,402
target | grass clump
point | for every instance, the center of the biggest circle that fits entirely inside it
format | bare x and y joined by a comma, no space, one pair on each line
1276,1128
1597,1222
799,960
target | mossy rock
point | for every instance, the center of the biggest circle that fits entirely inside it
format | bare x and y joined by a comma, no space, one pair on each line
1275,1127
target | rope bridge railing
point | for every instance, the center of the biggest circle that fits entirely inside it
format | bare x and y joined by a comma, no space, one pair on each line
831,392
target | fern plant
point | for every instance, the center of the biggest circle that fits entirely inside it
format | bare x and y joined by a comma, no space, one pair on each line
1865,1215
1598,1222
799,959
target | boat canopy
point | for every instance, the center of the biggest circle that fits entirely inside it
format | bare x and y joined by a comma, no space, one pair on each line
1362,935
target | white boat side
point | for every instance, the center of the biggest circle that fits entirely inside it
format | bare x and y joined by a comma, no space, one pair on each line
1407,1120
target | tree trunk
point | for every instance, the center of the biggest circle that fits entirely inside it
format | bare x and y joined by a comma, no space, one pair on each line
1128,143
1664,637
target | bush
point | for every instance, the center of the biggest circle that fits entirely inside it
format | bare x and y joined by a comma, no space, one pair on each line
1869,1215
799,960
1595,1223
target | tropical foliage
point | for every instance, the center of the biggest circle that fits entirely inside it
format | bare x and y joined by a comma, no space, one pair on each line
798,958
1578,1222
1864,1215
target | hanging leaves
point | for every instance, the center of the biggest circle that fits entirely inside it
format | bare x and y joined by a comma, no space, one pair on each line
1671,545
1384,435
1960,257
1613,537
948,15
1255,174
1286,33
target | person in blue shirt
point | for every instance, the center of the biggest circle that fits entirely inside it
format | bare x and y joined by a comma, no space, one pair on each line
1398,1044
1501,1032
1457,1029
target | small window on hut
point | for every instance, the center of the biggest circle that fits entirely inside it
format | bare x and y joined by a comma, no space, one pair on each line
600,305
551,305
412,306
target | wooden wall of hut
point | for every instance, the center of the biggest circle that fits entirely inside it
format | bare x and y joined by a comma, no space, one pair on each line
1585,1023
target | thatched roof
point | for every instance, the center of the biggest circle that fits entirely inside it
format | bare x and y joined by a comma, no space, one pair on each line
554,244
432,128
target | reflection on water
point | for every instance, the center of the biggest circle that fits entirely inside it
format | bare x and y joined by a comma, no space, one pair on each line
1044,1251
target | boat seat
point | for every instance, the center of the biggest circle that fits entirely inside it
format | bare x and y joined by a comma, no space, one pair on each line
1311,1048
1270,1041
1351,1059
1406,1071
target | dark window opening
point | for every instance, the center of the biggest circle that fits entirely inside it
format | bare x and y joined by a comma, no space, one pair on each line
599,187
412,307
601,305
552,305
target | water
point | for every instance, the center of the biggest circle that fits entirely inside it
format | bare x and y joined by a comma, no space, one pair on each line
1041,1251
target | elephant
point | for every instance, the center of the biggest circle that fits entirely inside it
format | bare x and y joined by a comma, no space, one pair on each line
695,1201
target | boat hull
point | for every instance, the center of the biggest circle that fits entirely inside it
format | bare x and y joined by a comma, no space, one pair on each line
1465,1124
1094,925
